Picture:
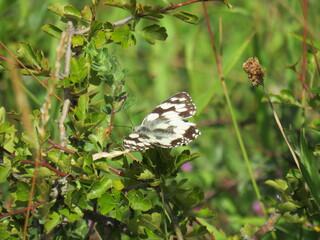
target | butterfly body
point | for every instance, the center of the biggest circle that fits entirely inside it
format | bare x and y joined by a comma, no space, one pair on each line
165,126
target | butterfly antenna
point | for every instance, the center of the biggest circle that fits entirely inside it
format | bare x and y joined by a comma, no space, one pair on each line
129,119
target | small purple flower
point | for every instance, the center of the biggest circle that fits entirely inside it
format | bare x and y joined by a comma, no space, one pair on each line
256,207
187,167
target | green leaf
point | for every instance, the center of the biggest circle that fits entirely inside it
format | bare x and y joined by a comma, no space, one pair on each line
287,207
52,30
129,5
107,203
229,63
67,11
300,38
285,97
99,188
77,41
71,12
100,39
123,35
219,234
54,220
82,110
71,217
118,185
27,55
186,17
34,61
86,13
146,175
186,157
137,201
249,229
5,171
278,184
202,213
153,33
23,191
309,168
197,231
151,221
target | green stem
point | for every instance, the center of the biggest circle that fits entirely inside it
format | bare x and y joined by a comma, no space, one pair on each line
243,149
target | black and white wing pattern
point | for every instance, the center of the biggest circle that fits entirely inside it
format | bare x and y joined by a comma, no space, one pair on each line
165,126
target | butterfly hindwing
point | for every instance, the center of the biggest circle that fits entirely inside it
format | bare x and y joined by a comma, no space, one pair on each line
165,126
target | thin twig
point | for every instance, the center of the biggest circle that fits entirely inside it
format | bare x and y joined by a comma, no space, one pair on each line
34,206
46,165
28,71
62,129
267,227
280,126
55,145
234,120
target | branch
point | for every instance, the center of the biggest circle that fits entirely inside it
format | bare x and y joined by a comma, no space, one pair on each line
46,165
3,215
108,223
267,227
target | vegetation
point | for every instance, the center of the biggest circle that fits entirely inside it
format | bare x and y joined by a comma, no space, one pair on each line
73,73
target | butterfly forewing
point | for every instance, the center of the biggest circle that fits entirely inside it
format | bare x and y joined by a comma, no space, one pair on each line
165,125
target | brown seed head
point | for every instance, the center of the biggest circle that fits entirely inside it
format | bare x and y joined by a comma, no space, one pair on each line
254,70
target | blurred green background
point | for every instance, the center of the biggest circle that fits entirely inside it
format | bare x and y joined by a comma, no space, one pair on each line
267,29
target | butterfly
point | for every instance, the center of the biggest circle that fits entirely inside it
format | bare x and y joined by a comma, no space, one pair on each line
165,126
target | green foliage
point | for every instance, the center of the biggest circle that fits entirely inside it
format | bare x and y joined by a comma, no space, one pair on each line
128,53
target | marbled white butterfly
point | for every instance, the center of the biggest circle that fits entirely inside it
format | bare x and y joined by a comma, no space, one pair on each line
165,126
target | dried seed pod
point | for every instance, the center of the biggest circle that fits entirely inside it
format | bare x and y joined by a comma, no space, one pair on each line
254,70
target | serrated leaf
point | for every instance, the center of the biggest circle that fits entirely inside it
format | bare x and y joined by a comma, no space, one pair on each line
123,36
146,175
99,188
249,229
52,30
86,13
77,41
153,33
137,201
151,221
186,17
71,217
100,39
